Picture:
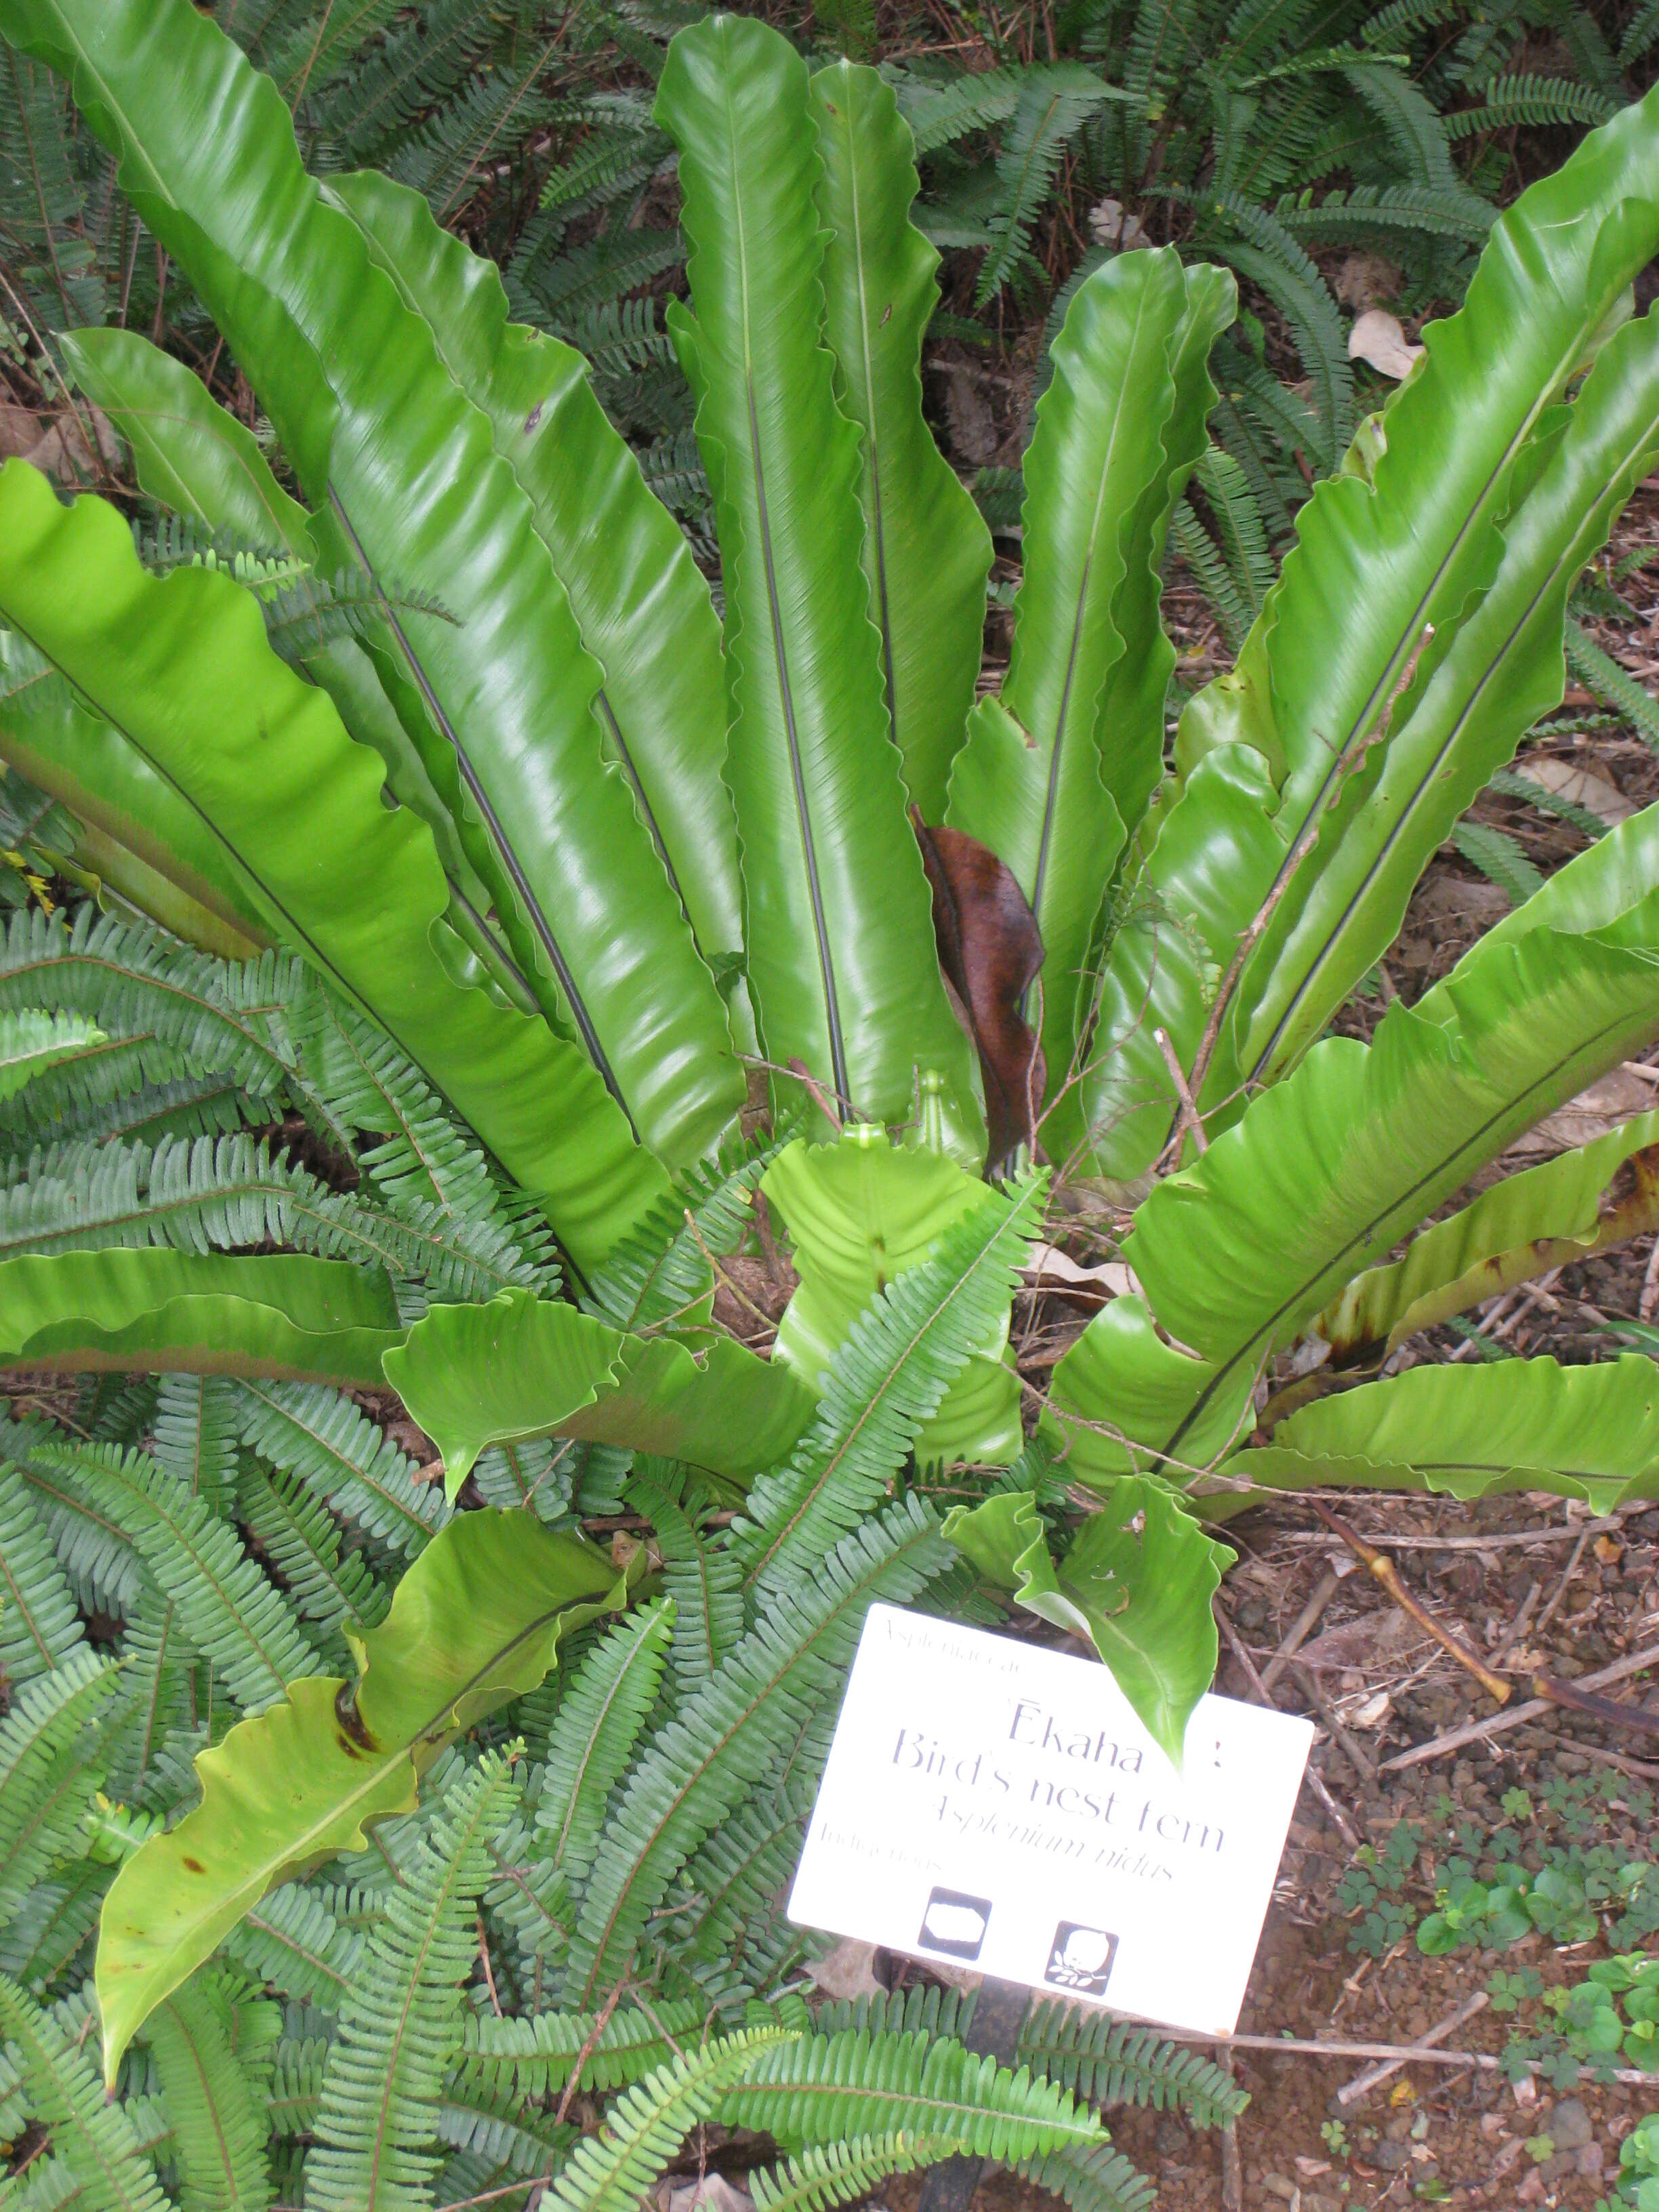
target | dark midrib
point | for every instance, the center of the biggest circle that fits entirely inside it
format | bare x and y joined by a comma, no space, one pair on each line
1359,729
532,907
1407,811
832,1011
602,702
1269,1324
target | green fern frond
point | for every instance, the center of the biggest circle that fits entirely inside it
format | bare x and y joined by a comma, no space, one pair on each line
739,1877
297,2085
318,1436
922,2009
834,2173
232,1615
1360,214
418,65
658,1274
157,1663
1499,859
500,2128
403,2022
292,1530
195,1436
214,2093
705,1761
96,2155
538,1474
46,1934
1600,673
611,2170
1094,2178
830,2089
939,114
137,985
39,1626
1531,102
293,1941
595,1730
1053,105
528,1895
1509,784
700,1574
1111,2062
100,1564
45,1783
534,2056
32,1041
888,1378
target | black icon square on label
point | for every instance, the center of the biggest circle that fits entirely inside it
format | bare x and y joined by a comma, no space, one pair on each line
955,1923
1080,1959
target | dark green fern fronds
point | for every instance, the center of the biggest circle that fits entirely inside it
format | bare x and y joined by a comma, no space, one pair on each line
593,1735
214,2091
195,1436
920,2009
1053,105
1509,783
1095,2178
658,1275
538,1474
705,1761
700,1573
47,1782
232,1615
296,2086
323,1440
327,1587
1600,673
1111,2062
609,2171
293,1941
739,1879
533,2057
974,101
95,2156
158,1664
830,2089
512,2136
1499,859
834,2173
43,1939
39,1626
403,2023
903,1354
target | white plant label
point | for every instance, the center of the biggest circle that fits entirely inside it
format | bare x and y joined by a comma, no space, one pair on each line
992,1805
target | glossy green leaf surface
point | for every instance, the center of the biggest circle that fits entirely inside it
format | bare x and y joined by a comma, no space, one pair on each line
402,473
1412,543
838,925
642,607
1589,1432
1494,1241
1029,782
860,1214
1327,1169
1502,671
1120,1391
519,1367
1140,1596
181,669
285,1314
477,1619
927,550
191,453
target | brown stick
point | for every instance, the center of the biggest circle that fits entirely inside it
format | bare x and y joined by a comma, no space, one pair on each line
1232,2167
1326,1589
1188,1118
1496,1723
1311,1774
587,2049
1383,1567
1363,2083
